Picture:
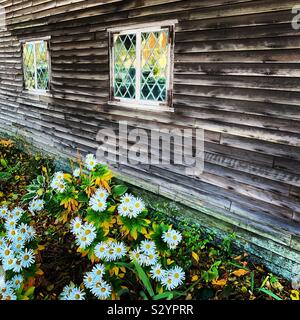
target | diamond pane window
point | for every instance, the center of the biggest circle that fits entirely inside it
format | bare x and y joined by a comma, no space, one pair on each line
125,66
141,66
154,69
36,65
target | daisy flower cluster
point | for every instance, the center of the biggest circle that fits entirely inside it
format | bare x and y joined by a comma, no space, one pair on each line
13,252
90,161
170,279
85,233
130,206
98,200
36,205
72,293
146,254
9,288
110,251
58,183
172,238
94,281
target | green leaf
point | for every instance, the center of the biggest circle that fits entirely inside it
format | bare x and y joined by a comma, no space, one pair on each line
29,196
144,278
29,292
119,190
40,180
3,163
4,176
270,293
163,296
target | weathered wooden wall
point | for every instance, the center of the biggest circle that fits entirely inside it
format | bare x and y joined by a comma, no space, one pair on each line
237,75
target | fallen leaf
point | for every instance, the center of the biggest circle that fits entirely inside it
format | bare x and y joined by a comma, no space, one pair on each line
240,272
221,282
195,256
195,278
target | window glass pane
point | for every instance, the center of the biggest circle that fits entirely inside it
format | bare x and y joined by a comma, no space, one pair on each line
42,68
29,67
154,71
125,66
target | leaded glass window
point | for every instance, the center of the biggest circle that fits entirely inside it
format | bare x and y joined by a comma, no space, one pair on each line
141,66
36,65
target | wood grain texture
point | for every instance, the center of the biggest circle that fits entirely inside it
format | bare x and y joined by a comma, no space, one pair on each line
236,75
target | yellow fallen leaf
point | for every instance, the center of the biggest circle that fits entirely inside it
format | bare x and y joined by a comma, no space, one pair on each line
195,278
240,272
41,248
169,261
195,256
39,272
221,282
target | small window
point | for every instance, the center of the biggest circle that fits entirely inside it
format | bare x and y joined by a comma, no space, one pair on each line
36,67
141,66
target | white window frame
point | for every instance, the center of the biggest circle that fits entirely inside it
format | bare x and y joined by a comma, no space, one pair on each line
34,42
138,103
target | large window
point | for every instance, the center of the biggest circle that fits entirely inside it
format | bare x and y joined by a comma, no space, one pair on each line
36,66
141,66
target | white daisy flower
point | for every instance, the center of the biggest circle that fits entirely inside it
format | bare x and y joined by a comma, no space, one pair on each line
27,258
19,242
102,290
4,212
157,272
36,205
8,263
98,272
101,193
89,230
18,266
178,274
120,249
135,255
83,241
127,198
76,173
16,282
98,205
59,176
30,233
17,213
58,185
148,246
10,224
66,291
172,238
12,233
72,293
88,280
9,295
90,161
123,209
6,251
138,205
100,250
169,282
76,226
76,294
110,253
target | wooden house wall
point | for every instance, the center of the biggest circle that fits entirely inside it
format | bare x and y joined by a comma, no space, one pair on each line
236,75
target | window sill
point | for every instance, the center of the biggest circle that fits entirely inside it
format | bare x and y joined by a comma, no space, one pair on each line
141,107
37,93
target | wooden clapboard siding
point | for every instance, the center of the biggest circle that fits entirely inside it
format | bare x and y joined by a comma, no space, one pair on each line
236,75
